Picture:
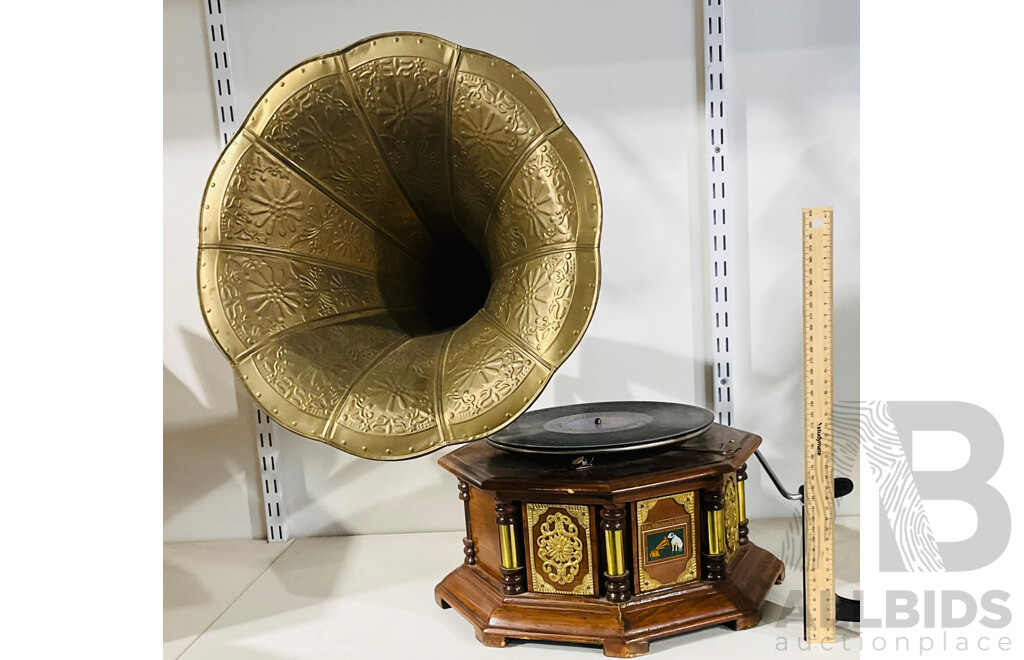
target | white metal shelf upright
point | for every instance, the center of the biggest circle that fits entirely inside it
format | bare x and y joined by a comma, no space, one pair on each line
720,222
272,489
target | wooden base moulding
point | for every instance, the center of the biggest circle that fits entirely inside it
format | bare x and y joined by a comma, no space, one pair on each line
623,629
635,548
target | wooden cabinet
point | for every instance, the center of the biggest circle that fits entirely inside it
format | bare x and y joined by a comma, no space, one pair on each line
634,547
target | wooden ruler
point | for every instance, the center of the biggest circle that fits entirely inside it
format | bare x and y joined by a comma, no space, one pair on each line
819,499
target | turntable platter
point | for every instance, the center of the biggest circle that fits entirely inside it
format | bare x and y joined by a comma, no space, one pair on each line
603,427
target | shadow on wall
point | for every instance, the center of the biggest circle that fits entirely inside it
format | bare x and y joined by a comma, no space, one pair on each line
208,445
345,498
612,370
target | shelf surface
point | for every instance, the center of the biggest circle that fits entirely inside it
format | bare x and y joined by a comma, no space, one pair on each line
373,597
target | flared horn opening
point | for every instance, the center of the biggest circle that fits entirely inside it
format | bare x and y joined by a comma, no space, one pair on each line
399,246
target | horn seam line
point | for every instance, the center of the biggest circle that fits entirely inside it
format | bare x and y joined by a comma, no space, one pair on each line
516,340
364,120
453,73
387,351
442,423
543,251
506,180
311,180
315,324
236,248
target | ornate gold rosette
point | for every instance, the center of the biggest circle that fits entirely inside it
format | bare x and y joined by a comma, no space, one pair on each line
368,189
561,549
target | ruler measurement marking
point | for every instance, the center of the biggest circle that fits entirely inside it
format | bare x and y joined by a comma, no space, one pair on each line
819,500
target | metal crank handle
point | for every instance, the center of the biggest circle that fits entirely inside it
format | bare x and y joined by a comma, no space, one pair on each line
843,486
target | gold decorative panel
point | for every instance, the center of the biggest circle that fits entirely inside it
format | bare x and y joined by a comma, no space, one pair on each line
666,541
561,549
399,246
732,517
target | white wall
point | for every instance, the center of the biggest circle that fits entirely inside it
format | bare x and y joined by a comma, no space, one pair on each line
210,474
794,118
624,78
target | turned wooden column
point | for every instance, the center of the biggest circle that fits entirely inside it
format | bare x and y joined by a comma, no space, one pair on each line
467,542
614,519
513,574
712,555
741,504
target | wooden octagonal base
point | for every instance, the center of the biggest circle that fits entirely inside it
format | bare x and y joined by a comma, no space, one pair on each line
623,629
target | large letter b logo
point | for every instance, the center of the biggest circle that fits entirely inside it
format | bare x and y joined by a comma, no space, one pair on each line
906,538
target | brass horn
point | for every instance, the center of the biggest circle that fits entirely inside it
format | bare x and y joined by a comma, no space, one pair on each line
399,246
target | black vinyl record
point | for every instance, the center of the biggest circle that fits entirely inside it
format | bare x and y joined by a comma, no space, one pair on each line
595,428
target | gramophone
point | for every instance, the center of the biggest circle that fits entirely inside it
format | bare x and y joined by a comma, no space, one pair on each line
397,250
